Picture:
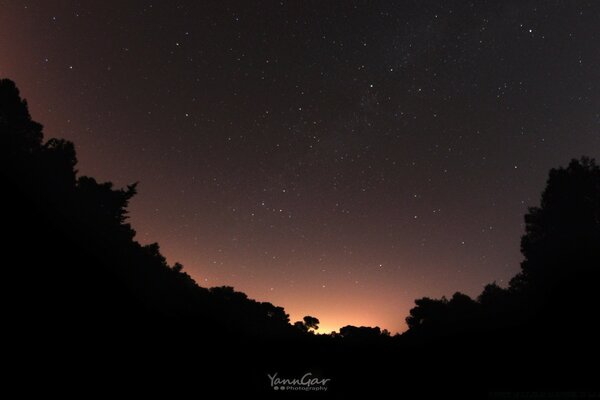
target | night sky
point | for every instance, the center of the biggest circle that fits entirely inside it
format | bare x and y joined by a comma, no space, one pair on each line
339,159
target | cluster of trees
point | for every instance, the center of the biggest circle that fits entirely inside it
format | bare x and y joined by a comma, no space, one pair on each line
85,261
81,265
77,275
559,273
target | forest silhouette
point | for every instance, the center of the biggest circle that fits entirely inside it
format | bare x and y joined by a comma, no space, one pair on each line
88,303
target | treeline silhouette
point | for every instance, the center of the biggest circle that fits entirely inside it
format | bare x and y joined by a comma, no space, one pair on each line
83,291
558,285
82,251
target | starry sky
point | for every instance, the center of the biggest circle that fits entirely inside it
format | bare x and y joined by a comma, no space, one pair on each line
339,159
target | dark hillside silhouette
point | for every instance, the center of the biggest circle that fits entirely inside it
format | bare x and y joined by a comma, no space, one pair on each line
81,290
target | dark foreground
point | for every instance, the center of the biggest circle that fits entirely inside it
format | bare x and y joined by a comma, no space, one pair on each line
89,311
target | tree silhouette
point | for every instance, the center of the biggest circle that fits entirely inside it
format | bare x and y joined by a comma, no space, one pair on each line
563,234
428,312
492,294
311,322
361,333
177,267
439,317
307,324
